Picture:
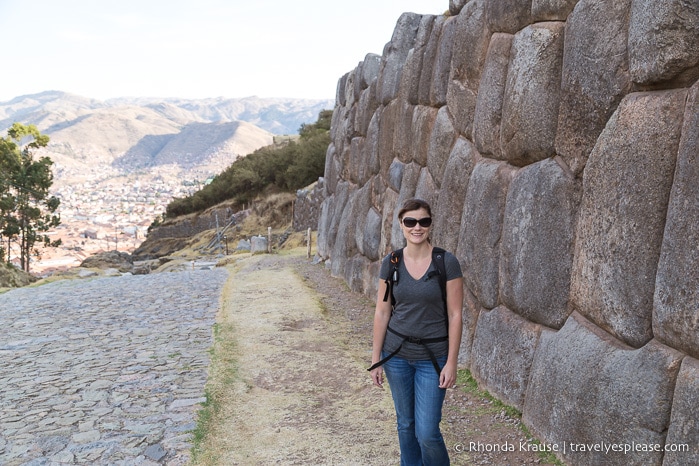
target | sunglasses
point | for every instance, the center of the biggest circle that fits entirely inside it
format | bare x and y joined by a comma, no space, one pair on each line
411,222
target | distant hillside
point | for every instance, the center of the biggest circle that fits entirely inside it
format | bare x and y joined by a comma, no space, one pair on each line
196,144
127,134
54,109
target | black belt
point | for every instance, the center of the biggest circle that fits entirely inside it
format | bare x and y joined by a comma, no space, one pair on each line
417,341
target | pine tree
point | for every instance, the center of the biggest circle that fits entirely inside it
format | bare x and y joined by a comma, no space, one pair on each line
26,209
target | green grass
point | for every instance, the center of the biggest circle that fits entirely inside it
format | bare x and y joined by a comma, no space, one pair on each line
468,384
224,373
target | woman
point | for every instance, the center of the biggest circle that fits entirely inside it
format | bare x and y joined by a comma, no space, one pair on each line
416,340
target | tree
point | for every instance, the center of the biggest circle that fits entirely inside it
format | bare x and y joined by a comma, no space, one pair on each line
26,209
269,169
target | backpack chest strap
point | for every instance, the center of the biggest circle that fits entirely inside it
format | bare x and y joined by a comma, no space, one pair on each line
417,341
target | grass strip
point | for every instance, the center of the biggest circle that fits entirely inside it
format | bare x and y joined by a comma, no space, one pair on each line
468,384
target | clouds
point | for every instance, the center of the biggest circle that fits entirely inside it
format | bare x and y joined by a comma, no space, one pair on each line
209,48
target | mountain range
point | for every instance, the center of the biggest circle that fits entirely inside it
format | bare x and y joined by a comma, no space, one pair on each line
117,163
53,110
123,135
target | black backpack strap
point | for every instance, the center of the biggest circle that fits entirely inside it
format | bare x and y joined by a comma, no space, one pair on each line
417,341
438,257
381,363
396,257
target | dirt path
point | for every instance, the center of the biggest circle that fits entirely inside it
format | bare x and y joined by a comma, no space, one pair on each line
289,376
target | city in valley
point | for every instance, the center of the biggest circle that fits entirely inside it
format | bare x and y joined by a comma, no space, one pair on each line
107,212
117,164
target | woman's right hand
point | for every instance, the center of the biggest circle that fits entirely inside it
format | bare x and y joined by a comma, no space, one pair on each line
377,376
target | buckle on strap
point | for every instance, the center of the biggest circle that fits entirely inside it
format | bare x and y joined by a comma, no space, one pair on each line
415,340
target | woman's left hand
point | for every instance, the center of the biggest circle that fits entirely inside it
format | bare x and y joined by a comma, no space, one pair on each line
447,378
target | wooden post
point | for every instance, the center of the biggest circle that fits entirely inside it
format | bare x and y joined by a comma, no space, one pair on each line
269,240
309,237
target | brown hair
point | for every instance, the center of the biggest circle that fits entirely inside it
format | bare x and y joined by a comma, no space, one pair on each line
414,204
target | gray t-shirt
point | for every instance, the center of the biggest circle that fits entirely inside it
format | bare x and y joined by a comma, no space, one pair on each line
419,310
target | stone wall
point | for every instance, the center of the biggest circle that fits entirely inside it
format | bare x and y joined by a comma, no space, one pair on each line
307,206
189,226
558,142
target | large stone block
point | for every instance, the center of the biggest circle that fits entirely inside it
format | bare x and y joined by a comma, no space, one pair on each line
664,41
595,76
388,122
351,130
423,122
481,228
411,177
335,210
331,171
626,188
455,6
411,74
537,243
425,188
372,160
366,107
502,354
471,39
389,221
350,96
357,273
469,316
449,207
552,10
395,175
259,244
344,159
403,131
586,388
345,239
508,16
395,54
361,206
372,235
683,433
532,94
356,168
340,123
323,226
441,143
342,195
429,59
371,287
378,188
369,70
442,65
676,299
340,97
491,92
416,61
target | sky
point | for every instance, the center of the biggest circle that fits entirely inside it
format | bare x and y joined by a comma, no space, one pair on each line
192,49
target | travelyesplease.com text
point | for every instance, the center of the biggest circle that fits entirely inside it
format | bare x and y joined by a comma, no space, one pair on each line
568,447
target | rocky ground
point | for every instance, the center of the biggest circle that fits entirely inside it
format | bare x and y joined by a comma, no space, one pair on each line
107,370
296,388
302,342
474,426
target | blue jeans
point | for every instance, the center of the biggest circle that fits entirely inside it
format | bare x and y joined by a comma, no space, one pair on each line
418,401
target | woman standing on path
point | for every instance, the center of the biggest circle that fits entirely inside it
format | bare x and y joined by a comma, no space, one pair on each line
416,339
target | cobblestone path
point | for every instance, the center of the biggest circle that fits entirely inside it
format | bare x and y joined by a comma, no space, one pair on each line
105,371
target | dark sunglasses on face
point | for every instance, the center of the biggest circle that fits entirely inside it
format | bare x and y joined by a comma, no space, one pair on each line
411,222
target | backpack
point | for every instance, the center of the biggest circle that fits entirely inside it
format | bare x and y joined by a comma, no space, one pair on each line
438,260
